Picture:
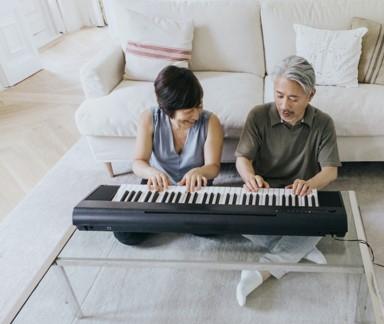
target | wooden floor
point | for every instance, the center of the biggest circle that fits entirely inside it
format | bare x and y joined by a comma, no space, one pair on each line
37,115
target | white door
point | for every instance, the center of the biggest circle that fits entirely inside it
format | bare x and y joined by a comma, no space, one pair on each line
18,56
37,15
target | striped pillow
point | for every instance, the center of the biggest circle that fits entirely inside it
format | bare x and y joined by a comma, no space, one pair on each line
152,43
371,65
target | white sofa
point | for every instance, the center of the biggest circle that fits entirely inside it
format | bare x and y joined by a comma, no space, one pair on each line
236,44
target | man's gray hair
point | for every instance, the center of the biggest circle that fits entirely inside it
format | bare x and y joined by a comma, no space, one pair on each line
297,69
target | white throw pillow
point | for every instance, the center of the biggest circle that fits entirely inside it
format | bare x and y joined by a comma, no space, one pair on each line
334,54
152,43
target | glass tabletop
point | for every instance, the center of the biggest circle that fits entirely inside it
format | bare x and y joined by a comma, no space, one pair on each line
231,249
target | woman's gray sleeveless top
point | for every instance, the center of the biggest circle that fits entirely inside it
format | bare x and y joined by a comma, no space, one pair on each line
165,158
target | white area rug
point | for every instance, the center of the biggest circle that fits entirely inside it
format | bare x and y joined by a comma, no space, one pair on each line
30,233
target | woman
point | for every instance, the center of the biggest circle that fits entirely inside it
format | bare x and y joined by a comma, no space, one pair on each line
178,143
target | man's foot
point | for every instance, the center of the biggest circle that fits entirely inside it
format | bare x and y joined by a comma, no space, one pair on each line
316,256
249,281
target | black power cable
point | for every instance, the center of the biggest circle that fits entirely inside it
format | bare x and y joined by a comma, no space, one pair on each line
369,248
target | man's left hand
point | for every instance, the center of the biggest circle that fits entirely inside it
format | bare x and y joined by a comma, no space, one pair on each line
300,187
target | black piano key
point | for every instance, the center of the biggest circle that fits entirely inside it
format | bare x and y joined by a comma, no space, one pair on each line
234,199
305,201
257,200
187,198
211,197
131,194
137,197
217,198
283,200
266,200
205,196
296,197
147,195
171,196
155,196
178,195
290,200
274,200
250,199
227,199
124,196
164,197
194,198
313,201
244,201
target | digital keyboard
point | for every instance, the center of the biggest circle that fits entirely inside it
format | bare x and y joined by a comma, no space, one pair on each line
211,210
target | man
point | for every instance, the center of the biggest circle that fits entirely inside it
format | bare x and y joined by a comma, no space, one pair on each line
286,143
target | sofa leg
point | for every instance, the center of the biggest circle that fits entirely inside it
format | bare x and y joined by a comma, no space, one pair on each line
108,165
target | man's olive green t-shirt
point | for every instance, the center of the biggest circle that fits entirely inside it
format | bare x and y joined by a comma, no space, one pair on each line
282,153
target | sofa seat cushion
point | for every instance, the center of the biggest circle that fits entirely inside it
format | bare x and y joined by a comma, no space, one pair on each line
229,95
355,111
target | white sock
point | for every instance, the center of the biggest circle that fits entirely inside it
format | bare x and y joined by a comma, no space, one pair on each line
316,256
249,281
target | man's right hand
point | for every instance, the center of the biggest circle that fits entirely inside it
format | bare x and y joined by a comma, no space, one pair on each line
254,183
158,182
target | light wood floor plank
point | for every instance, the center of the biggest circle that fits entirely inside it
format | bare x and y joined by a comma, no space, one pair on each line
37,123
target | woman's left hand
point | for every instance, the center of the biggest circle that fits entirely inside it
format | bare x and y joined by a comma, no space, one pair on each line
193,180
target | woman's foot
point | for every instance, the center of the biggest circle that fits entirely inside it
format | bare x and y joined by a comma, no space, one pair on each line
249,281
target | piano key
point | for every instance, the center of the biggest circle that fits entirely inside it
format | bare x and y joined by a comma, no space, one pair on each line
273,201
266,199
244,201
183,197
194,197
124,196
137,196
257,199
164,198
159,197
218,198
177,198
154,196
170,197
211,197
223,195
314,191
205,196
130,196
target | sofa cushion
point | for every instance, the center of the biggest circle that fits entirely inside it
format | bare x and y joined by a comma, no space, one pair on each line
371,66
334,54
278,17
355,111
229,95
227,36
152,43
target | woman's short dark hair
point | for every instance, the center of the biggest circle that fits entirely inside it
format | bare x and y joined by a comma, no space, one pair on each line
177,88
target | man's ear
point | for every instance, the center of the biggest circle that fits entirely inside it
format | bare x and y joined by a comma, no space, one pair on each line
312,94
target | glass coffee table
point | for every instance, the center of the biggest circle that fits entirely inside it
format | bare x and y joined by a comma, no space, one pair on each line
178,251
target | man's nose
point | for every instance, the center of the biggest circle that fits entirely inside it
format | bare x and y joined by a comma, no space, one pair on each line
284,103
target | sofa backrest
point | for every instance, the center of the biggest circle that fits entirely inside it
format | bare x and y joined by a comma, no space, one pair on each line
227,33
278,16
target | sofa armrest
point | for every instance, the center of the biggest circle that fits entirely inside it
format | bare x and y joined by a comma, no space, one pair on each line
103,72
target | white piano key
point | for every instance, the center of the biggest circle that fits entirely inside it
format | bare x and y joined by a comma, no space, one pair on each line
159,197
223,193
314,191
239,192
183,196
310,199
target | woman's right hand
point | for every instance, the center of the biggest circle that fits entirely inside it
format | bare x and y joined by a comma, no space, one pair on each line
254,183
159,181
